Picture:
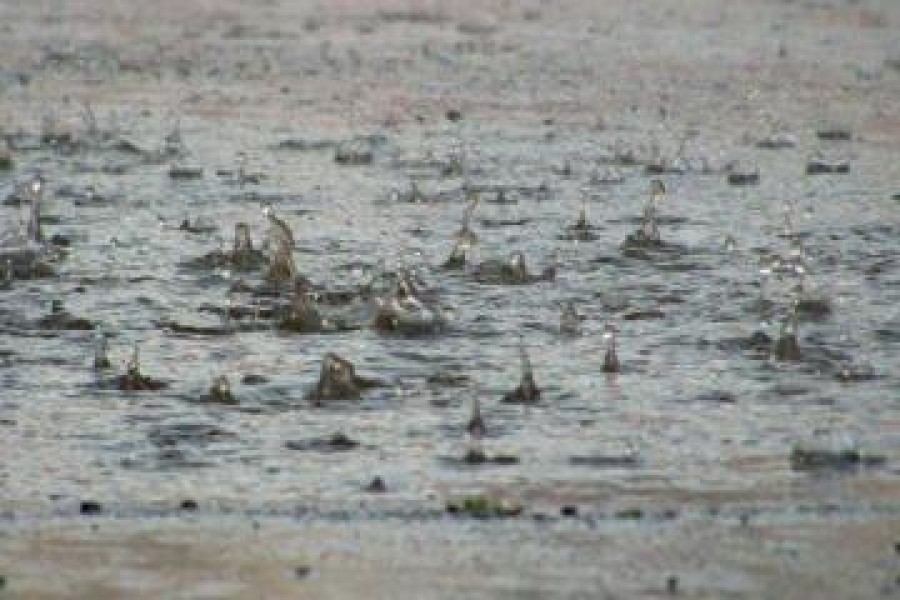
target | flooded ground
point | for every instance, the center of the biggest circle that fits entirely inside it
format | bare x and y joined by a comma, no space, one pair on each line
721,461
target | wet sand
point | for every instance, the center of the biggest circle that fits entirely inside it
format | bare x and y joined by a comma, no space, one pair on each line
721,509
222,557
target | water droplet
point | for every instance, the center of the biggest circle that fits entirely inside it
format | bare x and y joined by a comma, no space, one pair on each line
730,244
221,386
134,363
609,332
37,185
569,320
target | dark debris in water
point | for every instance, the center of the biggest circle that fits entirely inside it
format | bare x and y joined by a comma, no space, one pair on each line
336,442
90,507
630,514
376,486
855,373
196,227
777,142
478,457
481,506
64,321
253,379
449,379
353,154
662,168
306,145
716,397
822,166
194,330
185,172
606,461
813,459
180,446
258,314
813,308
174,434
512,271
188,505
497,223
656,252
743,178
641,315
835,134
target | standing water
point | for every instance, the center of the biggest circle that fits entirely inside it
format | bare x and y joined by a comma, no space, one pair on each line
706,366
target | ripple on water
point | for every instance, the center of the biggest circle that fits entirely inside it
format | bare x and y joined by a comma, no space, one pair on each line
699,389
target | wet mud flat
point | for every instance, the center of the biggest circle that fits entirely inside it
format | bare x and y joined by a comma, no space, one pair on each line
225,557
399,299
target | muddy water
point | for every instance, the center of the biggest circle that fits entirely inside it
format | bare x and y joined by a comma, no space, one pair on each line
556,105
